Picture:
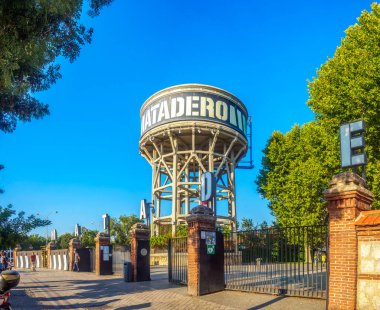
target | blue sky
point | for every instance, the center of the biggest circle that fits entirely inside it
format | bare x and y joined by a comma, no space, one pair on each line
83,159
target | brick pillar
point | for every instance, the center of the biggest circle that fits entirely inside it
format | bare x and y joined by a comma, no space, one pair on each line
347,196
139,232
101,240
50,246
73,244
200,219
15,250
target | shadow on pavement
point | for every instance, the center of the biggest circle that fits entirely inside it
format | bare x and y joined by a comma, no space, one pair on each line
265,304
140,306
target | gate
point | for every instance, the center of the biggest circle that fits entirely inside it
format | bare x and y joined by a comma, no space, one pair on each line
85,259
177,260
287,261
44,257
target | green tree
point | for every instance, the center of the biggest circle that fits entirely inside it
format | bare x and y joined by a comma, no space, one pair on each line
14,228
120,228
33,34
35,241
296,169
247,224
63,240
347,88
88,238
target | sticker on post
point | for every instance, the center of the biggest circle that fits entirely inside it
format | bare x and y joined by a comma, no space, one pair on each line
210,237
203,234
210,249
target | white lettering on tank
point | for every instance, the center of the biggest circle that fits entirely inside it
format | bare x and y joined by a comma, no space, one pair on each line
195,106
239,120
147,119
153,110
207,105
232,115
177,107
221,110
142,122
164,111
188,105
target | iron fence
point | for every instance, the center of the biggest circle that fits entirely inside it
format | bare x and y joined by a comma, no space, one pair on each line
286,261
177,260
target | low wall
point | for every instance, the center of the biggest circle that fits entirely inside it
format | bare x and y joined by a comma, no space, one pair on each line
59,259
23,259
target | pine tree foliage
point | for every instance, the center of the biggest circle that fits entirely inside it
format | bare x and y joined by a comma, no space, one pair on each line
33,34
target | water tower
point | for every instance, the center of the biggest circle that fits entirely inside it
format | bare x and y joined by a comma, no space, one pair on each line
187,130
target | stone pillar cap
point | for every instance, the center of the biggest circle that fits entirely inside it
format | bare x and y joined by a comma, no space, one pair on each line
201,213
347,182
201,209
139,226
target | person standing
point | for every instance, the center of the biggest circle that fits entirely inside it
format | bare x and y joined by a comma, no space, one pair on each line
76,260
4,260
33,260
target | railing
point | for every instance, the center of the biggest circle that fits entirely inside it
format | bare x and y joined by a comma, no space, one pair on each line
177,260
286,261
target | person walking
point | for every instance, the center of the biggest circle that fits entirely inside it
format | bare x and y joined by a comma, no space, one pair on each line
33,261
76,260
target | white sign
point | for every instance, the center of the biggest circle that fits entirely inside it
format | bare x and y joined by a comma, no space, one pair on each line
144,209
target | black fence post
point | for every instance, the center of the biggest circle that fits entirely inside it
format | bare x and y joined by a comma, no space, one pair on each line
170,267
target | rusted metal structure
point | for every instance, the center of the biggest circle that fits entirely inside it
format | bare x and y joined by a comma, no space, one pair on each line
187,130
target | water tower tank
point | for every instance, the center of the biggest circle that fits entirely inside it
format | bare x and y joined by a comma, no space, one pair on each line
187,130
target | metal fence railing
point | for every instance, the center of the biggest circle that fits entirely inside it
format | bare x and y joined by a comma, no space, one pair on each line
177,260
287,261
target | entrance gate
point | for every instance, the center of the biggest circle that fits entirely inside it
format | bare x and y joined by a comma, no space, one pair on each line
287,261
177,260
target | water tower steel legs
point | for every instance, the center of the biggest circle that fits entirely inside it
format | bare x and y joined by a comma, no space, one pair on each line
177,167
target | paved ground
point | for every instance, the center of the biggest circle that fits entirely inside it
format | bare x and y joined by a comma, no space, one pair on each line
68,290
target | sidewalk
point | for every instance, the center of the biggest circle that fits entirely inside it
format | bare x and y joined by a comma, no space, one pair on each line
67,290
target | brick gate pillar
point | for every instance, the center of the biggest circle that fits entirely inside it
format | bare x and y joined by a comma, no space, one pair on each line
73,244
140,233
347,196
201,219
15,260
50,246
101,240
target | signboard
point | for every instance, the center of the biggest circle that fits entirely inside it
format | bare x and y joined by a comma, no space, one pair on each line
197,105
106,253
144,210
210,239
352,144
53,235
210,249
208,186
106,223
77,230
